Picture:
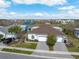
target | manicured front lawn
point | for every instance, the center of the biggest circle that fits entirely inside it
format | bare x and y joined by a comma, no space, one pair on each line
23,45
72,39
76,57
16,51
75,42
27,45
75,48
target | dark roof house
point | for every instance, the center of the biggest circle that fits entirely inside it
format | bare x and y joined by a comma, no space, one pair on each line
46,29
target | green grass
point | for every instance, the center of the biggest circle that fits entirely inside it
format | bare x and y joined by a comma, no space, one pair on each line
27,45
16,51
73,49
76,44
76,57
72,38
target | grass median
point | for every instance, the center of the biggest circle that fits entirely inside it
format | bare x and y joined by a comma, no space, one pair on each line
25,45
17,51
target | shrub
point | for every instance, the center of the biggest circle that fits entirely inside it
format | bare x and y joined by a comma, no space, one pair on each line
1,36
51,41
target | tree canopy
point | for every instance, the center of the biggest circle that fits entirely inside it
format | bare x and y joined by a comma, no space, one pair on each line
51,40
15,29
1,36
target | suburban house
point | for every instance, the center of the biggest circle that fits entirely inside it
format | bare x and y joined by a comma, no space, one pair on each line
5,33
40,33
1,33
9,35
23,27
76,32
64,21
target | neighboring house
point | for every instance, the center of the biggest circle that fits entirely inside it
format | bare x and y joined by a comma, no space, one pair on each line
1,33
42,32
64,21
5,33
23,27
76,32
28,22
9,35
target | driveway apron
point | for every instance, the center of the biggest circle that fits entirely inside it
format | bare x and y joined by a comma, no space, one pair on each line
42,46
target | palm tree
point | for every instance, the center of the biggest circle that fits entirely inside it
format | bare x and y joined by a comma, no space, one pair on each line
15,30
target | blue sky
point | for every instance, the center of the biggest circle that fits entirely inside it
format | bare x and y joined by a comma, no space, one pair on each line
39,9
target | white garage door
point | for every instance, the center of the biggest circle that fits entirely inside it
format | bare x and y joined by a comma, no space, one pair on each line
59,39
42,38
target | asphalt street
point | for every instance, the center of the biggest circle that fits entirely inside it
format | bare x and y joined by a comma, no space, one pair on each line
15,56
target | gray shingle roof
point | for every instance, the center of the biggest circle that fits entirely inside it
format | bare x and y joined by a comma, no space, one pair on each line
46,29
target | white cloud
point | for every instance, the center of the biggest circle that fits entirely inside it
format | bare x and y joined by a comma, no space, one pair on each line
4,4
12,13
46,2
70,11
38,14
67,8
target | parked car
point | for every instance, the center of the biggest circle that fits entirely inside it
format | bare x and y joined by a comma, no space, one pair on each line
2,39
8,40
